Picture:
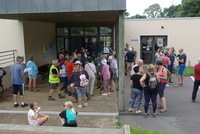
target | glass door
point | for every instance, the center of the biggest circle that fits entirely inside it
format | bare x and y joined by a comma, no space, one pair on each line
91,46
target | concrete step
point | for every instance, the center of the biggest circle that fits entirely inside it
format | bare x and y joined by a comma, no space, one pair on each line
26,129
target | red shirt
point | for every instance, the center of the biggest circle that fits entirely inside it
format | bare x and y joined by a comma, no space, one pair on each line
165,60
197,72
70,68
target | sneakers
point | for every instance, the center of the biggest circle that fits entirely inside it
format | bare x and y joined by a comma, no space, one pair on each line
167,85
16,105
138,111
61,96
51,99
154,115
25,105
181,84
178,85
109,93
80,106
104,94
145,115
130,110
163,110
85,104
160,106
193,100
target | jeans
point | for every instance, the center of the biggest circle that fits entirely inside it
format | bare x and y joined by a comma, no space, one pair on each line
147,96
195,89
136,94
65,82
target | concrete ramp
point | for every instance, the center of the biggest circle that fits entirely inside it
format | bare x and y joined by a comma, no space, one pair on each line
26,129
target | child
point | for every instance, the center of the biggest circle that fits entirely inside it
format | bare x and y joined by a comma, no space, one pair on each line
64,117
34,116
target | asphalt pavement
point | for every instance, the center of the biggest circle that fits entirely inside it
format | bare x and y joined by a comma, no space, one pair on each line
182,115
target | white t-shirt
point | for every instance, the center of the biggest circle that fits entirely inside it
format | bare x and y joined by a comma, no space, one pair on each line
140,69
31,120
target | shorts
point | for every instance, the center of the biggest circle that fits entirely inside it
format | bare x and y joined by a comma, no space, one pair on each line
81,92
161,88
130,64
18,89
54,86
32,76
181,69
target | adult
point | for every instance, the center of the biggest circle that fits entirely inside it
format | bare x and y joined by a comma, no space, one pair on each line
63,115
70,68
17,81
74,53
32,74
91,70
174,55
196,80
148,94
171,66
99,69
137,90
165,60
162,73
126,48
158,55
61,61
135,52
181,58
83,59
113,71
54,80
106,77
62,51
81,91
130,57
64,78
36,118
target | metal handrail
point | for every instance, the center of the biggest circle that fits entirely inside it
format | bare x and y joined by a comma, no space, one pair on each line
7,57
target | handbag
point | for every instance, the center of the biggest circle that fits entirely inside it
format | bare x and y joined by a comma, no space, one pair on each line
83,80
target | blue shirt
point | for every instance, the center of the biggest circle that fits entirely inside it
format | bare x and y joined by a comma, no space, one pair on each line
16,71
32,68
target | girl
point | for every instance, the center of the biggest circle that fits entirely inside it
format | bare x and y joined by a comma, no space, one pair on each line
34,116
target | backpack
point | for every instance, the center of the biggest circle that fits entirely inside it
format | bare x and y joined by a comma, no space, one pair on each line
83,80
71,117
152,82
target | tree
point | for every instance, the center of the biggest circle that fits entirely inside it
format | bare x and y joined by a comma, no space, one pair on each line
171,11
126,15
190,8
138,16
153,11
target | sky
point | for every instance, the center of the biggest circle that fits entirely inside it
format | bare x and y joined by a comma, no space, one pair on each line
138,6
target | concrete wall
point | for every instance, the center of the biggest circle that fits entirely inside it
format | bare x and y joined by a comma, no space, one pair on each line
35,35
181,32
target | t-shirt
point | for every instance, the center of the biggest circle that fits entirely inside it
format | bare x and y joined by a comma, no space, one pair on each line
16,71
130,56
70,68
63,115
136,81
140,69
197,72
182,57
31,120
165,60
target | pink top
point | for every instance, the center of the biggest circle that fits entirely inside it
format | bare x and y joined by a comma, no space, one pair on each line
197,72
90,68
105,72
165,60
160,73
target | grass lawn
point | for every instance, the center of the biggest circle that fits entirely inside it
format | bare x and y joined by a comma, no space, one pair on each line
139,131
188,71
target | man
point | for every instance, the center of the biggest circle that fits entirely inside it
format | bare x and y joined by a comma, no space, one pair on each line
99,68
126,49
196,81
114,71
70,68
54,80
181,58
17,74
130,57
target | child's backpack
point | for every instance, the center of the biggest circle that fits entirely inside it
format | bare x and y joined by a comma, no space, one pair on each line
83,80
152,82
71,117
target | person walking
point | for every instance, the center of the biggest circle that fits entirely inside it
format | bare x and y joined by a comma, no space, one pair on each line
54,80
196,80
35,118
106,77
162,73
17,80
91,70
81,91
181,58
149,94
32,73
137,90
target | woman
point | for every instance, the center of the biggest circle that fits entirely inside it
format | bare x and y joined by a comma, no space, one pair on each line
149,94
35,118
64,77
81,91
91,70
137,90
63,117
106,77
32,74
162,73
